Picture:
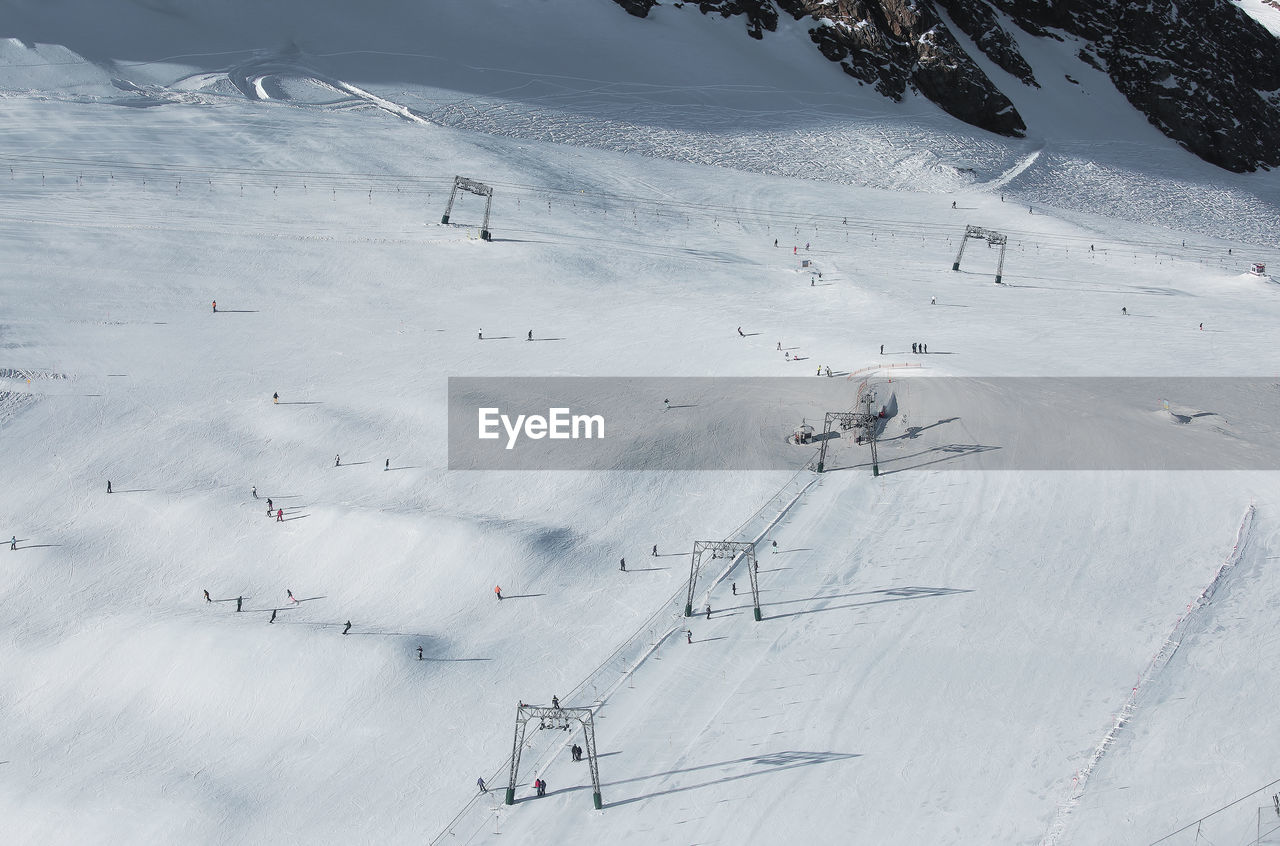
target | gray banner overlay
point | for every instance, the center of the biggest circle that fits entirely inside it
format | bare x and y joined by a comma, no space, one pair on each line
655,423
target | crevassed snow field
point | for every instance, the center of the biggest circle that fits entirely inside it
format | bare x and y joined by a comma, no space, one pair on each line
943,652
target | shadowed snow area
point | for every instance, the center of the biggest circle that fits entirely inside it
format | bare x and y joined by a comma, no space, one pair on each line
943,656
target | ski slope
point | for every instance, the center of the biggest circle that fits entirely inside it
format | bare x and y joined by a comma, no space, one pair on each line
942,649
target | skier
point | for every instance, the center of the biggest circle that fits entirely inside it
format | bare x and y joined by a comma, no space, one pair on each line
882,349
275,398
779,346
913,347
775,547
108,486
279,515
239,603
708,610
1124,309
819,373
419,653
788,355
348,628
740,332
387,466
806,246
655,550
828,371
291,597
953,204
555,701
530,338
933,301
498,590
688,635
254,491
269,507
622,565
13,544
206,597
1201,327
480,784
337,461
735,588
215,306
812,281
273,616
775,242
480,335
925,348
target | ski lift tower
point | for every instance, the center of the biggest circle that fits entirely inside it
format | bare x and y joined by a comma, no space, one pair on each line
479,188
723,549
993,238
866,420
555,716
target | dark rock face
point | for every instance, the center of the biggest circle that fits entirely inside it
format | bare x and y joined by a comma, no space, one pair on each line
1202,71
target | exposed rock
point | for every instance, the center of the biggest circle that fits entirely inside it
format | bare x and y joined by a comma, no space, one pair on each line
978,21
1202,71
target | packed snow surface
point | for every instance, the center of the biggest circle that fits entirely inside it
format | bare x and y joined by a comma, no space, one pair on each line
945,656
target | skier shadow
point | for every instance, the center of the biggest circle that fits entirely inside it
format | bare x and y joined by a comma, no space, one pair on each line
301,402
709,639
752,766
546,339
37,545
237,311
898,594
405,467
689,405
641,569
352,464
296,517
796,549
136,490
497,338
751,334
522,595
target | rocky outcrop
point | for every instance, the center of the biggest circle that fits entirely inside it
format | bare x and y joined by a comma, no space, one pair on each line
1202,71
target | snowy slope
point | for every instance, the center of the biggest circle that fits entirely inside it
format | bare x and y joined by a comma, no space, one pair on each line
938,644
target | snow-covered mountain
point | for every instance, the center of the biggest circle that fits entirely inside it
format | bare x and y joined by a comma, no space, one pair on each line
1204,72
944,655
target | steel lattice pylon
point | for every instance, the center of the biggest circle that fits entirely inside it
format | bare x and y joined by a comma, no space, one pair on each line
993,238
866,420
461,182
723,549
556,715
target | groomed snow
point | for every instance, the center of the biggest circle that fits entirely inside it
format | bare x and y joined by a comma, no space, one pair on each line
942,650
